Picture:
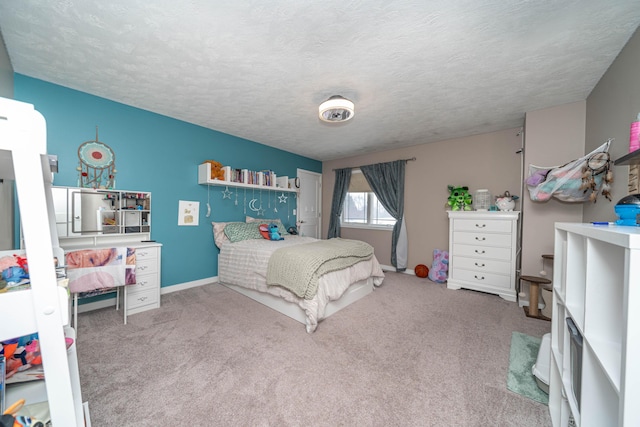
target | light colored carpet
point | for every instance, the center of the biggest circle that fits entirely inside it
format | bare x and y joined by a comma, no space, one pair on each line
410,354
522,357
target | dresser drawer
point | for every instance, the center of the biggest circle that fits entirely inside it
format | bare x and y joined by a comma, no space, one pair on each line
482,239
146,253
482,265
493,226
139,299
482,252
482,278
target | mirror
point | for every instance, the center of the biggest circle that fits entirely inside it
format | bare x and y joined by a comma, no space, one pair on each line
93,212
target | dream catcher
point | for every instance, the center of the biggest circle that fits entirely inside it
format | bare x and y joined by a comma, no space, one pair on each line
597,166
97,165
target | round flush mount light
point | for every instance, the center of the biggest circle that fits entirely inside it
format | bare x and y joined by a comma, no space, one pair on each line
336,109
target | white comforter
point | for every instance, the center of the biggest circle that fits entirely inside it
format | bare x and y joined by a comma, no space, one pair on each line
245,264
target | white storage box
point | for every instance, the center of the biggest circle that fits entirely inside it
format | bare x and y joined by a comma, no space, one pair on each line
542,368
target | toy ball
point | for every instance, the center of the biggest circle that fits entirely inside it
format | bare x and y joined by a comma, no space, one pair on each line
421,270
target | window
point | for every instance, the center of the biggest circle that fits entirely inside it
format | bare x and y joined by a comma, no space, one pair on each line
361,206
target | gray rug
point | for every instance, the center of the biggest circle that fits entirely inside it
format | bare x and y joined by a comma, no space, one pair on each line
522,356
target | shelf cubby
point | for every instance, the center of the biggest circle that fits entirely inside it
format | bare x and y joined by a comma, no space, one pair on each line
598,270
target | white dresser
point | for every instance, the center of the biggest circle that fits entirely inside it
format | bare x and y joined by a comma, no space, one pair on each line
145,294
482,252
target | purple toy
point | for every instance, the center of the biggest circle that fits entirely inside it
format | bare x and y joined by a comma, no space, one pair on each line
440,266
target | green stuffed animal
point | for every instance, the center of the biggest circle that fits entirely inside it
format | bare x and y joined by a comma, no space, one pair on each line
459,198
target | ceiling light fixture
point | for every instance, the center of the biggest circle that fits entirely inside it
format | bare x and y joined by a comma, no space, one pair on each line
336,109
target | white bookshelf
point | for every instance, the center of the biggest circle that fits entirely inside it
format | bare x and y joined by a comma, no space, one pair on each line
596,278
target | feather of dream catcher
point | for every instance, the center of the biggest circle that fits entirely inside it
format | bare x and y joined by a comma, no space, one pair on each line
597,164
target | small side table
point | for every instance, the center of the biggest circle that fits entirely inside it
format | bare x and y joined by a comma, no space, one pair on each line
534,291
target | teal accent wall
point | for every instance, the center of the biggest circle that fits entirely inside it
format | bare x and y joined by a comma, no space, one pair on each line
160,154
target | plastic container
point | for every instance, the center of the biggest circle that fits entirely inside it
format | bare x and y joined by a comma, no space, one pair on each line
542,368
482,200
575,355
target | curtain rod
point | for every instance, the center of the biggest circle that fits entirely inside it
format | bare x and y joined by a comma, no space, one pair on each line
356,167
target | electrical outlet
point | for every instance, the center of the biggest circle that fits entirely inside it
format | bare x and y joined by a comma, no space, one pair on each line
295,212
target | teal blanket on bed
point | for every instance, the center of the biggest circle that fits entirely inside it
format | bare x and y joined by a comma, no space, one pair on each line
298,268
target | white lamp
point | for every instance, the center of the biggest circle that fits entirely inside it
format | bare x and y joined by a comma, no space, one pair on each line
336,109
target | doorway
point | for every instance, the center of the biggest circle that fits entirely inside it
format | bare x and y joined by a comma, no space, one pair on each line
309,203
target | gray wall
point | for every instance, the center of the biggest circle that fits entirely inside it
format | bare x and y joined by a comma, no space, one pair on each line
6,72
611,107
481,161
553,136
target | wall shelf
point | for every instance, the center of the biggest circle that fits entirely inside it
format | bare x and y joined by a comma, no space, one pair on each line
633,158
204,174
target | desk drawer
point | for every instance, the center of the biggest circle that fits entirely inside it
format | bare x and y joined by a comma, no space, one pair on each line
144,282
139,299
146,253
147,266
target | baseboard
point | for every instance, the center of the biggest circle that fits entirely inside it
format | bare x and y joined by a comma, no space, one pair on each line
393,269
188,285
111,302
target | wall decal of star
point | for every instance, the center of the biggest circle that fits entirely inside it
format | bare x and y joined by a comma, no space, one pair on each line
282,198
260,211
226,194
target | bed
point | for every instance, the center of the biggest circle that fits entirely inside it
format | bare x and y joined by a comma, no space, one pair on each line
243,265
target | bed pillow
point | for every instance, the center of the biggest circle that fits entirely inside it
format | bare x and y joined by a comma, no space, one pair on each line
281,229
218,233
238,231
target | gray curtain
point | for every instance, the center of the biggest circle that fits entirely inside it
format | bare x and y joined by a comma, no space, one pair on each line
387,182
343,177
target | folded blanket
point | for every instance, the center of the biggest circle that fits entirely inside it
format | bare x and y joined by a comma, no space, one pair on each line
298,268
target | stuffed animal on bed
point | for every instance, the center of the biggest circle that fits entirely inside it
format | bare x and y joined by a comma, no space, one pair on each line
270,232
459,198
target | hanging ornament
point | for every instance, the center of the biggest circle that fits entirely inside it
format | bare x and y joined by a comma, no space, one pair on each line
275,209
245,201
236,199
283,198
97,165
226,194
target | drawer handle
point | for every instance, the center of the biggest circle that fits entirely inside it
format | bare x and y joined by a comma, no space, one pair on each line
143,283
481,225
481,239
142,253
479,278
142,298
479,265
479,252
142,267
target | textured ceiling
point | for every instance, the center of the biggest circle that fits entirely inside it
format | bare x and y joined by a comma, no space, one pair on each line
418,71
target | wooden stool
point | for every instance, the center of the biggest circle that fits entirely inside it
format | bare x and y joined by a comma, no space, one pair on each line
534,289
